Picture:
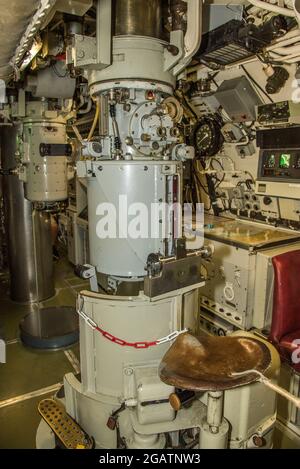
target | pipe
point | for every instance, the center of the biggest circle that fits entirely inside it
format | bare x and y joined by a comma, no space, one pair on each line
132,17
87,109
293,60
288,59
286,51
288,38
29,242
274,8
193,36
285,58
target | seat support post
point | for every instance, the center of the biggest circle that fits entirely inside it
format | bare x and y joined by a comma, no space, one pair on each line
214,428
215,410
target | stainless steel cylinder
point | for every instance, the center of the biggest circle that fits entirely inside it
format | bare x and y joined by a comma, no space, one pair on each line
139,18
28,234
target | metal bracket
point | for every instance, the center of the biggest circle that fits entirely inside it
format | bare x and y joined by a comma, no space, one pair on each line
88,272
176,42
96,53
85,51
175,274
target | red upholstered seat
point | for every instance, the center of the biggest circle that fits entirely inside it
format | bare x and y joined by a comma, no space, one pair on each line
286,306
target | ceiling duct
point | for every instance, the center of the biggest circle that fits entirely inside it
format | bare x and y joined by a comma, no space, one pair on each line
15,17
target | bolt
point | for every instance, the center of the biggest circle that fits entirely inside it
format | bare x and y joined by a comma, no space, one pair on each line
173,49
129,141
145,137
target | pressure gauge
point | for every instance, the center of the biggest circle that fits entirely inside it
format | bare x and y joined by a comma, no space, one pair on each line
208,138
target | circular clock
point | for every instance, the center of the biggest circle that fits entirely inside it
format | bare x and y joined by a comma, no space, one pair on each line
208,138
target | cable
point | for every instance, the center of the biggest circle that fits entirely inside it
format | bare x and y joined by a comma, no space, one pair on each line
222,168
205,190
97,113
256,84
77,133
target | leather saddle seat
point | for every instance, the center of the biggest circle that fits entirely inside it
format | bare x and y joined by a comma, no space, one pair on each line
206,363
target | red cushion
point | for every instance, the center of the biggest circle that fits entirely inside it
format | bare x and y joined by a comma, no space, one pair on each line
286,305
287,347
286,298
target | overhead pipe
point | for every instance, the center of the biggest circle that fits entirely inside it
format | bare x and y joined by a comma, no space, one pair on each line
193,36
273,8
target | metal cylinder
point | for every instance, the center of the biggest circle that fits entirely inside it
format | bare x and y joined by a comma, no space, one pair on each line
122,184
28,234
139,18
215,410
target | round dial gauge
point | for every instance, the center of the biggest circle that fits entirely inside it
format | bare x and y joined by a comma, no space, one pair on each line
208,137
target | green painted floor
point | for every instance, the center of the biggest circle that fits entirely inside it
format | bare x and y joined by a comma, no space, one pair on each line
28,370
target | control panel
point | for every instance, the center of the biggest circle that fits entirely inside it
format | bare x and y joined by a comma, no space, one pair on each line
282,113
280,165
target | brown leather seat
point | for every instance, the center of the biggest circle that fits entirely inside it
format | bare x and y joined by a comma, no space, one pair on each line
206,363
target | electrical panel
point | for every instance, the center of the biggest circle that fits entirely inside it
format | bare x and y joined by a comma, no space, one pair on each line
282,113
239,99
245,200
279,163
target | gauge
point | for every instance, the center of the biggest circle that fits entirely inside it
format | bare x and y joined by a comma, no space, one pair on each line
208,138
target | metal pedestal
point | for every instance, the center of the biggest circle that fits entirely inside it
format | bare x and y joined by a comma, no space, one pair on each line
50,328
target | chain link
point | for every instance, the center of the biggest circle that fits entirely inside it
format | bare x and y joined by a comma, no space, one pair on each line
171,337
121,342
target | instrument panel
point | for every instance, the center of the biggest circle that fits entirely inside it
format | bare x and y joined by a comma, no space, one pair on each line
284,112
280,165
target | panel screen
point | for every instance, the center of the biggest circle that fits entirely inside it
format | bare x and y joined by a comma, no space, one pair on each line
285,161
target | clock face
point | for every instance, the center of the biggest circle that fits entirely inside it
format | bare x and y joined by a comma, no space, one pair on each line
208,137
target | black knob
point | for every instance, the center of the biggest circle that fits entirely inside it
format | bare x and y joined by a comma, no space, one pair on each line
267,200
181,398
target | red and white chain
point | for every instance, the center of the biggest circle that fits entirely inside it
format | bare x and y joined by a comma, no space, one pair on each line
124,343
